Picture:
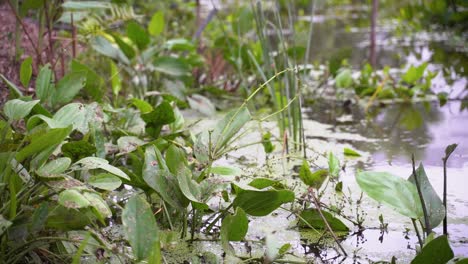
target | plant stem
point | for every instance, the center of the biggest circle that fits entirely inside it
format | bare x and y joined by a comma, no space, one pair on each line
445,196
317,205
418,186
417,232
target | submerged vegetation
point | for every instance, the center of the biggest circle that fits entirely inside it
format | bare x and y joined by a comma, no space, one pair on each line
115,152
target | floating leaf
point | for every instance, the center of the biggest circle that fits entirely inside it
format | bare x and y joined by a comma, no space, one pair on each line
17,109
226,170
262,183
261,203
351,152
438,251
140,226
105,181
393,191
313,218
434,207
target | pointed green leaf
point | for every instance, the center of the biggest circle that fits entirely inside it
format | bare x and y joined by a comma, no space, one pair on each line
73,199
156,25
261,203
26,72
313,218
51,138
43,83
314,179
138,35
90,163
234,227
140,226
350,152
438,251
17,109
434,206
56,166
393,191
105,181
68,87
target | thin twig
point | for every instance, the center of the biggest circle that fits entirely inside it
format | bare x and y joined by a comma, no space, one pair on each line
317,205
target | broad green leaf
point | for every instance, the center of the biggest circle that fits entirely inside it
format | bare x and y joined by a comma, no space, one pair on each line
413,74
73,199
179,44
128,144
56,166
393,191
94,85
314,179
176,159
234,227
68,87
17,109
43,83
163,114
142,105
124,47
102,209
115,79
105,181
75,114
189,187
156,25
90,163
4,224
171,66
334,166
39,218
62,218
26,72
140,226
162,181
350,152
262,183
226,170
51,138
138,35
261,203
438,251
103,46
434,206
344,79
313,218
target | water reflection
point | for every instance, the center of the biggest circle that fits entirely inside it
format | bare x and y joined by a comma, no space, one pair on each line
422,129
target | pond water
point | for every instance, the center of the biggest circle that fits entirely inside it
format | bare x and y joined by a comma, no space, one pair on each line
386,137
